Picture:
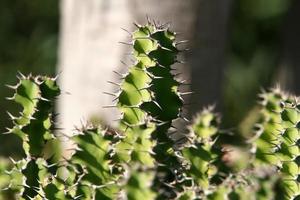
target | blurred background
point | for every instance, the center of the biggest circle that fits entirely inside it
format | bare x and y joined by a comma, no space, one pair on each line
236,47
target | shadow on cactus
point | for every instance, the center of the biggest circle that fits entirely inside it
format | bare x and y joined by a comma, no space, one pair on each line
146,157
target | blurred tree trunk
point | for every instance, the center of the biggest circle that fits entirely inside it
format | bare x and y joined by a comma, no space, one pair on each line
89,51
291,50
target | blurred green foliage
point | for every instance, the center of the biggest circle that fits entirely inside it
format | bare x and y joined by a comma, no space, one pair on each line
255,29
28,43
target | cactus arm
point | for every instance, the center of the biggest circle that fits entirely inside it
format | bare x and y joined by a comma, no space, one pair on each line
199,154
34,126
94,155
269,127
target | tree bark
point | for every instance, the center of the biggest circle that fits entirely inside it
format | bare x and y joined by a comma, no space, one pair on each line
89,52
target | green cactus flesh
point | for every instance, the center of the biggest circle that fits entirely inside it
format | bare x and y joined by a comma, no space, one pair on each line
287,150
34,126
200,154
36,96
269,128
141,160
93,158
277,143
149,101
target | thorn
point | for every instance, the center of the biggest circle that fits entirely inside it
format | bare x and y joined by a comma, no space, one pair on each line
22,75
14,87
118,73
111,94
126,31
109,106
11,116
44,99
113,83
9,131
57,76
10,98
181,42
164,48
137,25
145,88
184,118
186,93
124,63
126,43
12,160
155,102
148,19
163,123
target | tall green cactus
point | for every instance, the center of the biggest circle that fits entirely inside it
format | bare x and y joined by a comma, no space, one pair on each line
149,101
34,126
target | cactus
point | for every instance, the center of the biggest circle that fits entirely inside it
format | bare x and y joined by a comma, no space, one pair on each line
140,159
277,142
34,126
200,154
245,186
269,127
287,151
98,173
149,101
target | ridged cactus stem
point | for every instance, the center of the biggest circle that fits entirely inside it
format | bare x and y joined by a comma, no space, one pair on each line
269,127
287,150
278,140
200,153
34,126
149,99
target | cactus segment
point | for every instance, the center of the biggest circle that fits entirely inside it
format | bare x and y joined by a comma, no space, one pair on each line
269,127
277,143
34,126
288,150
99,173
200,153
36,96
139,185
136,146
149,101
